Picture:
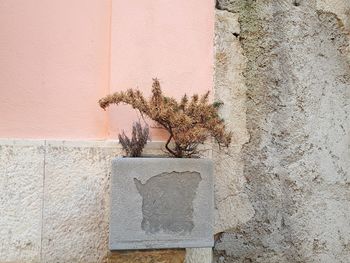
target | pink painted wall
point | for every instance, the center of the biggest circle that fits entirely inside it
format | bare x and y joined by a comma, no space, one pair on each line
57,58
170,40
54,58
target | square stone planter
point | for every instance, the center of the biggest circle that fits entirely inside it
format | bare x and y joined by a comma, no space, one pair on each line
161,203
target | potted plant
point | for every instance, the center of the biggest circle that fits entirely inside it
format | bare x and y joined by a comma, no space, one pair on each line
165,202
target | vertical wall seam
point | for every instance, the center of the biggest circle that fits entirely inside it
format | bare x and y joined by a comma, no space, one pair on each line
43,204
109,65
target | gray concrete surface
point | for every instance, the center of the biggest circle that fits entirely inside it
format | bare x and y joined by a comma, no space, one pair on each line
161,203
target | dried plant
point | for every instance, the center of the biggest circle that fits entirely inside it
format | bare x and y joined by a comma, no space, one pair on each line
190,122
140,135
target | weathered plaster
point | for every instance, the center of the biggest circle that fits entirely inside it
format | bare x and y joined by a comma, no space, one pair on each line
339,7
296,160
231,90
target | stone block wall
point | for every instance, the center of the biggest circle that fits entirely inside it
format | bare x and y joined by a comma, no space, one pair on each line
54,200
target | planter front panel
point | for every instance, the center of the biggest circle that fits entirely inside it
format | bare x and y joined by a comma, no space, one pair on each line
161,203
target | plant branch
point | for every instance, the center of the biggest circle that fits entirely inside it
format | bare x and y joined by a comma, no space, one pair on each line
190,122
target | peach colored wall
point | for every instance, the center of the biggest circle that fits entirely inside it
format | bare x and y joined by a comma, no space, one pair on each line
170,40
54,59
57,58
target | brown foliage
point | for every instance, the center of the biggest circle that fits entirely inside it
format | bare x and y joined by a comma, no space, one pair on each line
190,122
140,135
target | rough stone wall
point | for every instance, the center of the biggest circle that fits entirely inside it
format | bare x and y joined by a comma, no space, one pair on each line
296,161
231,90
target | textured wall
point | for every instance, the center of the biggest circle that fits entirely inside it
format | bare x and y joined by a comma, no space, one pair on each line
21,190
296,160
231,90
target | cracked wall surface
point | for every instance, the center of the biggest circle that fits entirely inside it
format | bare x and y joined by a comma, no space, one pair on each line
296,161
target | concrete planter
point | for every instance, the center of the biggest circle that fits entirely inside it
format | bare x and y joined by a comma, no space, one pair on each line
161,203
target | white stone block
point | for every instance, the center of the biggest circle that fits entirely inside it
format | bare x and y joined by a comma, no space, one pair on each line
21,191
